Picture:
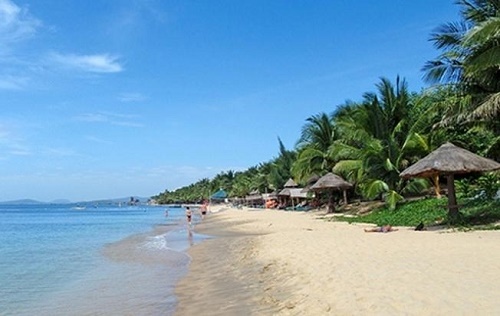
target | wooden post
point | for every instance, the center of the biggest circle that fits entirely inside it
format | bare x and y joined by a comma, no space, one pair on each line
437,189
331,205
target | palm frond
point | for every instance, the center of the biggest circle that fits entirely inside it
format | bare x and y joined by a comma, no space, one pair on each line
375,188
416,185
351,170
483,32
392,198
488,109
449,35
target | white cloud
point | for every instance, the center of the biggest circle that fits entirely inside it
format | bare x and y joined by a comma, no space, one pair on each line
100,63
15,23
98,140
110,118
131,97
93,118
10,143
19,150
12,83
59,152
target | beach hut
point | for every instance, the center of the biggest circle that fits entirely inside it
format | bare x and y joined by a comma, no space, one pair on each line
285,193
220,195
310,182
330,182
294,194
290,183
254,198
449,160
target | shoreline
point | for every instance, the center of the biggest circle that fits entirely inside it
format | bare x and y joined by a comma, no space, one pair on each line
269,262
217,282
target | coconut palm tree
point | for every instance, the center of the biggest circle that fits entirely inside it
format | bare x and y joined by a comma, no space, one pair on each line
280,169
241,185
318,135
376,141
471,59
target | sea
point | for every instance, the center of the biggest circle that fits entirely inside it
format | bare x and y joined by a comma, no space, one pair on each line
92,260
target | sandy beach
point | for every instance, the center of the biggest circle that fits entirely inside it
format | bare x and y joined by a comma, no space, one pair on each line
269,262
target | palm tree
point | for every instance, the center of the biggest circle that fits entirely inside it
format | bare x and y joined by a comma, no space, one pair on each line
471,58
376,139
280,170
318,135
241,185
483,64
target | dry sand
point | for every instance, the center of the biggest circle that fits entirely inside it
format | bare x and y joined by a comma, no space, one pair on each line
269,262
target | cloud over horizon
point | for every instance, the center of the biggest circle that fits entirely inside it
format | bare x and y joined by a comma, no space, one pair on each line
98,63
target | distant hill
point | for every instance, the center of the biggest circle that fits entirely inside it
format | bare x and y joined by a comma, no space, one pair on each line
125,200
22,201
61,201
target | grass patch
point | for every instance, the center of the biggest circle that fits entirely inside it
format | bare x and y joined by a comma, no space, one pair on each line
478,214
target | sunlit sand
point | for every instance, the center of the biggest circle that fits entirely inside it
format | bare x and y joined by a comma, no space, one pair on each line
268,262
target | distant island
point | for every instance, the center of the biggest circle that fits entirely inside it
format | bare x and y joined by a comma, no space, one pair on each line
125,200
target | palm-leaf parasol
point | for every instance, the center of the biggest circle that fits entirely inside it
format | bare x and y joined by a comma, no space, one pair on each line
330,182
449,160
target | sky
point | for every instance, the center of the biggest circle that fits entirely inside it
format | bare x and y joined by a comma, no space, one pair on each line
119,98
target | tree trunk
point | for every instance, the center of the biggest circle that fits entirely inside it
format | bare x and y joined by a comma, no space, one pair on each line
452,199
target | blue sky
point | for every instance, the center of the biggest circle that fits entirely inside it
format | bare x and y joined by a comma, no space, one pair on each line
106,99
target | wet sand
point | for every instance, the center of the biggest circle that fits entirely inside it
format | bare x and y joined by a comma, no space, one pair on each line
268,262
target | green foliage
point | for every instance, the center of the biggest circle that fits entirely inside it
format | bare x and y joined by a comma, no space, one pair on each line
392,198
479,214
485,187
489,184
464,188
470,59
474,214
375,189
411,213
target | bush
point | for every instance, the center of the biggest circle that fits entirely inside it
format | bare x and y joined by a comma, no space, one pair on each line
410,213
473,214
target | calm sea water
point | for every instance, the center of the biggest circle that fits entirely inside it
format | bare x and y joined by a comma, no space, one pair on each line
60,260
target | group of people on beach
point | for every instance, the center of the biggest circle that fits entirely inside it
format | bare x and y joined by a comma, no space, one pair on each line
203,212
379,229
189,213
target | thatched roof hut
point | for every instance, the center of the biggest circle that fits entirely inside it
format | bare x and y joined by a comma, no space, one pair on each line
330,182
449,160
290,183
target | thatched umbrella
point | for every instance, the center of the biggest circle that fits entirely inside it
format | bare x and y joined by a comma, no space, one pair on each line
286,191
290,183
449,160
330,182
310,182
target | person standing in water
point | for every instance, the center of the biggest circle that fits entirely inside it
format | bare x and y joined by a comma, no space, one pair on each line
189,214
203,209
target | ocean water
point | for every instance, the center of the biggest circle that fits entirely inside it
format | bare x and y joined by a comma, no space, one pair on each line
104,260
